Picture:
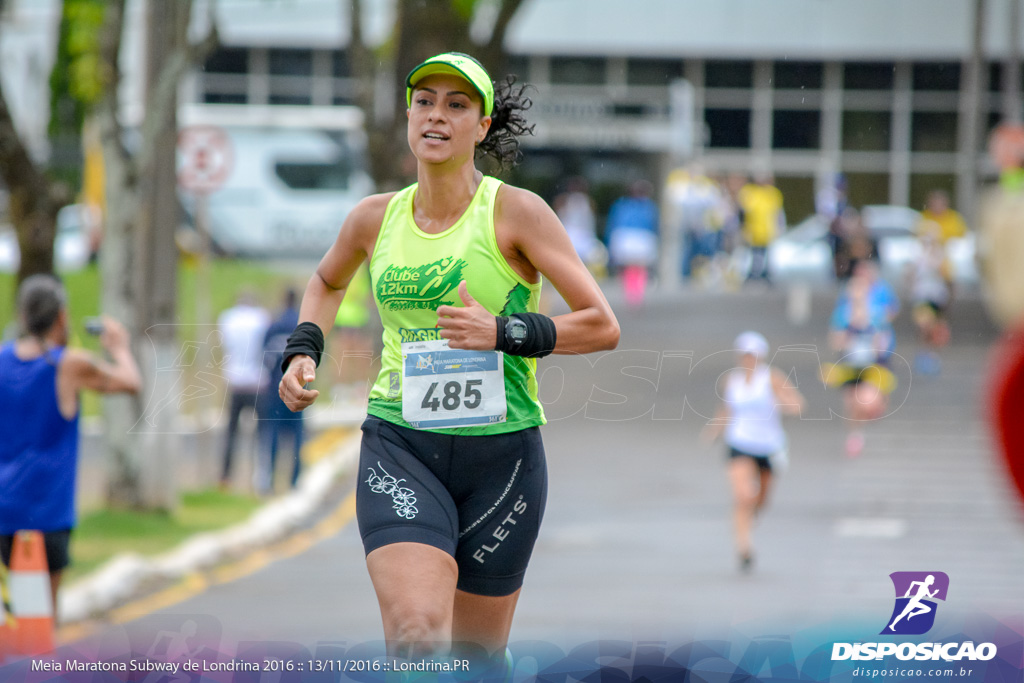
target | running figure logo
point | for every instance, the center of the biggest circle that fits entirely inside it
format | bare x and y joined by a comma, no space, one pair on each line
916,592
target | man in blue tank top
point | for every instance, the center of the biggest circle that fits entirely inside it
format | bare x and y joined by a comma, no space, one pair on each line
40,380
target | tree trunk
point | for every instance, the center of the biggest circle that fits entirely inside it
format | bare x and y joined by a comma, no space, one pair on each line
157,269
34,200
139,257
116,258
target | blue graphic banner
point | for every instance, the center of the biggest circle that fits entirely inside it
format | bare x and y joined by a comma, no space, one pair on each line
978,649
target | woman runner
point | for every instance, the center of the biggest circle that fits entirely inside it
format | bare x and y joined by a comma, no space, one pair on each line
755,395
452,477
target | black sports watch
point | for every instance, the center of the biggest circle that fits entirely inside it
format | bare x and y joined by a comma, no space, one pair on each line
516,332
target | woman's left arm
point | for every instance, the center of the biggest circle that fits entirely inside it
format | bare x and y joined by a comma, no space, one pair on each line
533,240
538,236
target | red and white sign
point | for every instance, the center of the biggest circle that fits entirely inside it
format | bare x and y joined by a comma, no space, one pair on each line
205,158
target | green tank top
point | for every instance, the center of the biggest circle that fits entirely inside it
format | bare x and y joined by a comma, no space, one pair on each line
413,273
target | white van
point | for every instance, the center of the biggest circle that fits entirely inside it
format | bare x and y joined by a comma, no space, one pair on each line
290,175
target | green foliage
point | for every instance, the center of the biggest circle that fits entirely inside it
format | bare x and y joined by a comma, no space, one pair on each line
78,79
464,8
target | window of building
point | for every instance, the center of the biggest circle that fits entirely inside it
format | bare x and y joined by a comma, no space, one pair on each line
995,77
798,196
728,128
796,129
290,62
224,98
798,75
653,71
868,75
520,66
341,65
728,74
944,76
228,60
304,100
631,109
867,131
933,131
578,70
992,121
863,189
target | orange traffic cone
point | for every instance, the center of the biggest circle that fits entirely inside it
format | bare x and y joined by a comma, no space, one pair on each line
31,601
6,620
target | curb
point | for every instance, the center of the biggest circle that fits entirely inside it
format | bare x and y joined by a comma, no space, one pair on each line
130,575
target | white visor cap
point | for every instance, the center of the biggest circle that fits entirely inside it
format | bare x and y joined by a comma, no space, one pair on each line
753,343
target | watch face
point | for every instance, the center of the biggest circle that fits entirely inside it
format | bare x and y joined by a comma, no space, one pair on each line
516,330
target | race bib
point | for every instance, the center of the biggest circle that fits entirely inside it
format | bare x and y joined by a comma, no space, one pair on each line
443,387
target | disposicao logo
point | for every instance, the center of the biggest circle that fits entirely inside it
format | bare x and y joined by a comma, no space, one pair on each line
916,593
914,615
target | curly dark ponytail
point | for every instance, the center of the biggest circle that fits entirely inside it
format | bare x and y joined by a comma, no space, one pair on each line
507,123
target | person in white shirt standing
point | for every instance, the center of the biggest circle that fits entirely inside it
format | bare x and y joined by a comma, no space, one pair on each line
242,328
755,396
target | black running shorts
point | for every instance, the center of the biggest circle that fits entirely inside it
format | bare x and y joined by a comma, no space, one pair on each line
56,543
763,462
478,498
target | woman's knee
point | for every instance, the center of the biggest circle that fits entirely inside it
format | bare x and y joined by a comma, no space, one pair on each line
426,625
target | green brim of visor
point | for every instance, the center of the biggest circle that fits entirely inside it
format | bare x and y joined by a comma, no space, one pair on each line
456,64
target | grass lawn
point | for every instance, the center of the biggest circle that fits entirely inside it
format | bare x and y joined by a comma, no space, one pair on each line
102,534
227,278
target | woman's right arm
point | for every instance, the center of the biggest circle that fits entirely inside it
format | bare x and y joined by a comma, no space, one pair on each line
326,290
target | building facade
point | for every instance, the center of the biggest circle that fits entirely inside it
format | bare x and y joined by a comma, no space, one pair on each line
877,90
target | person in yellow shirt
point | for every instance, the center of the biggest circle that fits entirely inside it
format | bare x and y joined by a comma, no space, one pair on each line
761,204
937,210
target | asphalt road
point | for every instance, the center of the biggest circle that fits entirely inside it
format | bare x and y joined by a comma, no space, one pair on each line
636,541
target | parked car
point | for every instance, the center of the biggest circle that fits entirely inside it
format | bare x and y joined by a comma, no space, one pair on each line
803,253
71,247
288,175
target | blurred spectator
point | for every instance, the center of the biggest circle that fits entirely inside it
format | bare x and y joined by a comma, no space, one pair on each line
853,242
931,290
632,234
763,220
734,269
830,201
275,419
575,209
937,210
696,204
242,329
40,382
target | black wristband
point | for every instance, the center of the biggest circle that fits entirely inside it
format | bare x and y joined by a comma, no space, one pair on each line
539,340
306,339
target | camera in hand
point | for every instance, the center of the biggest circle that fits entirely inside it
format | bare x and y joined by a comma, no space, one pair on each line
94,326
